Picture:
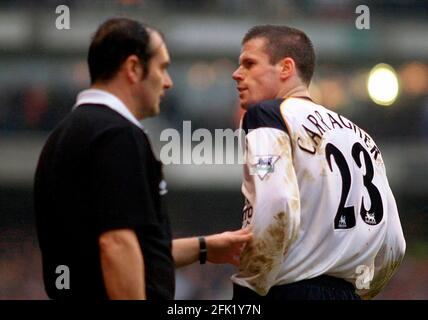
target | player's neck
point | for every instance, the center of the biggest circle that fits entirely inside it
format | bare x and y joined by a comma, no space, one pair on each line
296,91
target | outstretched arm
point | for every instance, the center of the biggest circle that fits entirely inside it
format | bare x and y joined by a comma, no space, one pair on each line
221,248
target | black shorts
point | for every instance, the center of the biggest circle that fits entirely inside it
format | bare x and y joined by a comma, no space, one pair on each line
319,288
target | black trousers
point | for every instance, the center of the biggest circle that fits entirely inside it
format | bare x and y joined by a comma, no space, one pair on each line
319,288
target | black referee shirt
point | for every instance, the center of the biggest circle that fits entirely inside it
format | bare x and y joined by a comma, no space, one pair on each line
97,172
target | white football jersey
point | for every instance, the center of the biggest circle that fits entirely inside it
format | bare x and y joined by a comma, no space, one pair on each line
318,199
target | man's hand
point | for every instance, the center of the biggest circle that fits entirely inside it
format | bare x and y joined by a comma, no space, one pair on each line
226,247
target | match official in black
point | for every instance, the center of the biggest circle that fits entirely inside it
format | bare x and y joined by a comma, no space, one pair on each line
98,185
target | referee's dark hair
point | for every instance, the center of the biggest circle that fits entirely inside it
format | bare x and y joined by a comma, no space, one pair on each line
114,41
282,42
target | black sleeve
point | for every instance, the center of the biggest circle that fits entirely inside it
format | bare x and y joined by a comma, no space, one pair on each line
119,187
264,114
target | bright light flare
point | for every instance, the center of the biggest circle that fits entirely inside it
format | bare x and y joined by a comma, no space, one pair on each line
382,84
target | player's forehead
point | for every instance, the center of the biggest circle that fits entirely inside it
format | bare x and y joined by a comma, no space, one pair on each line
254,49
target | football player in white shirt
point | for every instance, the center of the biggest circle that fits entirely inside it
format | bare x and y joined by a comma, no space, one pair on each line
324,219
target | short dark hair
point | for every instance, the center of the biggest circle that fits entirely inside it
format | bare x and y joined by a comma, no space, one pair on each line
282,42
114,41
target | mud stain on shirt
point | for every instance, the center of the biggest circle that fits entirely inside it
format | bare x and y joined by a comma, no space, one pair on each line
265,253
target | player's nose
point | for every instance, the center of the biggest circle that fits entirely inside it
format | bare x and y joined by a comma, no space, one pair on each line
237,74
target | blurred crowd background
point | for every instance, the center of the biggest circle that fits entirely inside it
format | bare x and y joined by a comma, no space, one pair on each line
43,68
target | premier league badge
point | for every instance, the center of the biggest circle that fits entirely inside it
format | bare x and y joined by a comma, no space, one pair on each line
263,165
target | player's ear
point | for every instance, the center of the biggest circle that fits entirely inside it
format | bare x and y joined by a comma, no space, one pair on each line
287,68
133,69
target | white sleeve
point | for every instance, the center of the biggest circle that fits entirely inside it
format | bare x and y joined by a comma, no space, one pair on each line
390,254
270,187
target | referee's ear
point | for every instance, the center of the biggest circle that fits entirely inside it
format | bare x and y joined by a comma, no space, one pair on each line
133,69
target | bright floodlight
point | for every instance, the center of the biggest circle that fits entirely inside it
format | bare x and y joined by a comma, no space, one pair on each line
382,84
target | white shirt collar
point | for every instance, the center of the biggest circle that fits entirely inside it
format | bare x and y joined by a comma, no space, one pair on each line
97,96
